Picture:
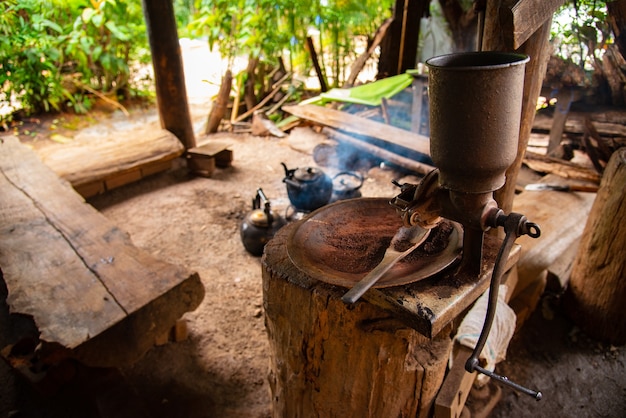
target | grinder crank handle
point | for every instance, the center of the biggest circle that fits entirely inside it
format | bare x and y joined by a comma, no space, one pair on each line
515,225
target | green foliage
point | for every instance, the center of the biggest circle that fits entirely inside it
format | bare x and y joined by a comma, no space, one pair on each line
29,55
102,41
268,29
580,31
54,53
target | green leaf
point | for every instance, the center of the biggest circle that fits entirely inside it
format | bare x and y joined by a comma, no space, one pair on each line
51,25
87,14
119,34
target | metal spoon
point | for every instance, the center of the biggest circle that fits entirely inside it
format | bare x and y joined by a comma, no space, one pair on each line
415,235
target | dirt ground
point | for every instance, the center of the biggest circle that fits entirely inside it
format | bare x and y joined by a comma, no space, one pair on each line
221,369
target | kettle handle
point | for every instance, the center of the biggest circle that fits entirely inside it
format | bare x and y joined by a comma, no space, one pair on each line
288,172
359,177
256,204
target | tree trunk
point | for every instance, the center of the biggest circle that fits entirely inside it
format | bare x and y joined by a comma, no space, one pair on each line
249,93
595,298
329,359
398,50
617,20
463,24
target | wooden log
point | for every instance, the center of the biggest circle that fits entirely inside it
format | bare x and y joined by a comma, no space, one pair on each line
359,63
218,110
325,376
276,88
607,123
329,359
597,291
249,93
94,165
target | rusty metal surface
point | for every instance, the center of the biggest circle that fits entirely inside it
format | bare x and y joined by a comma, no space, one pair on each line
340,243
475,110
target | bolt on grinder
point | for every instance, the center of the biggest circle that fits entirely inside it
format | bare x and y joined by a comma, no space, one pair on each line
475,111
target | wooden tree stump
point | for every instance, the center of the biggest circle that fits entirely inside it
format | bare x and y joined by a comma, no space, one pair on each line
597,292
329,359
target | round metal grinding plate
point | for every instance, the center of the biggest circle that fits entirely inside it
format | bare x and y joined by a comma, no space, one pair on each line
341,242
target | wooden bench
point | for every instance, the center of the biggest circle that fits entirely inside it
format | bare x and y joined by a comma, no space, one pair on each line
94,165
91,294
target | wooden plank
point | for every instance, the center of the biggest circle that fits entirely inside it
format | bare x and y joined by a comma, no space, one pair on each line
561,217
90,160
562,168
361,126
456,386
521,19
78,275
36,260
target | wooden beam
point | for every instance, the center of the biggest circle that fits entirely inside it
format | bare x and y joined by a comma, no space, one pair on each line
361,126
536,48
168,70
521,19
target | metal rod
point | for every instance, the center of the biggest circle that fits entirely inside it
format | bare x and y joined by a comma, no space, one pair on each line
514,225
505,380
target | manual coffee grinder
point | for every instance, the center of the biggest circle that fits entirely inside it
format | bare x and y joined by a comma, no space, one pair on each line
475,110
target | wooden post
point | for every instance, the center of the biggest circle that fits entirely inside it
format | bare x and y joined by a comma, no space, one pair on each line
597,291
496,38
168,70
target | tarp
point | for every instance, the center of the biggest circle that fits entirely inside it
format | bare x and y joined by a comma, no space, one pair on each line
370,94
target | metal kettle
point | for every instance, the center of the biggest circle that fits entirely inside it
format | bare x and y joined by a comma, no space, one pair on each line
346,185
259,225
308,188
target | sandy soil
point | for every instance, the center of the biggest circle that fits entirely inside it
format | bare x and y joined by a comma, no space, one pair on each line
220,370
